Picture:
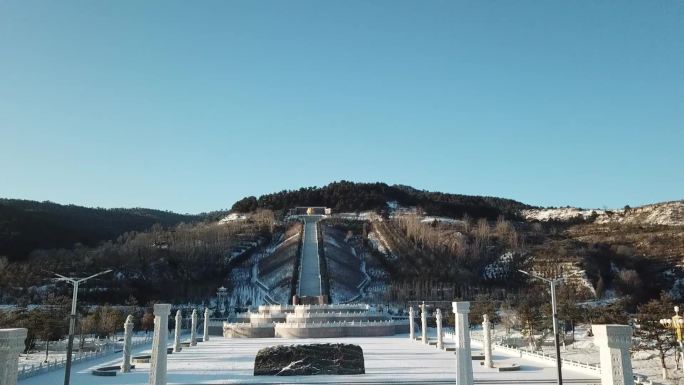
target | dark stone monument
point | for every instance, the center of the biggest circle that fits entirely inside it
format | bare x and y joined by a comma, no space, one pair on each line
302,360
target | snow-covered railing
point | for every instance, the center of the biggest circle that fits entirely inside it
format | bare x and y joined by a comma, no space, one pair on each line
261,285
267,315
323,314
251,325
26,371
340,324
336,306
582,366
278,308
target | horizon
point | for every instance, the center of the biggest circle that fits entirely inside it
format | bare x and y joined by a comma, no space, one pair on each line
189,107
228,208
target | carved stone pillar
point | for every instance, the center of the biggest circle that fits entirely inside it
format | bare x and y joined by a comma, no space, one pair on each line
11,344
205,337
440,337
128,336
423,323
412,325
193,330
464,364
487,332
177,337
161,329
614,342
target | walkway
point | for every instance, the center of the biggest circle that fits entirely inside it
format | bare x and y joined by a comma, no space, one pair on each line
310,272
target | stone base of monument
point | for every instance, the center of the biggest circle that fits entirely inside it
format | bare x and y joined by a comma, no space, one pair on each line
107,371
507,368
314,359
142,359
314,321
245,330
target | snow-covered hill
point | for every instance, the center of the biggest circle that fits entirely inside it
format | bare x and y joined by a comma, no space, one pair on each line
666,213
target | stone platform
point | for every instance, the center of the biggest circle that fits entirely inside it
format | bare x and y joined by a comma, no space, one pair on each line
314,321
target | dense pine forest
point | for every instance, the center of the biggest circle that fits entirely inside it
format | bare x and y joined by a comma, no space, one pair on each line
346,196
29,225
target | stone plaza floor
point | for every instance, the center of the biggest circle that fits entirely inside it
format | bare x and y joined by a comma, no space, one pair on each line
388,360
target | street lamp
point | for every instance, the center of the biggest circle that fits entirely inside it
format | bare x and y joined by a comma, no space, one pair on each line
552,283
677,324
75,282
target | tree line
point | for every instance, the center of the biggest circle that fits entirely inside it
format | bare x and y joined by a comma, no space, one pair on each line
27,225
347,196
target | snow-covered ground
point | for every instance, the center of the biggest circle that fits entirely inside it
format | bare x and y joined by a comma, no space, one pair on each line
232,217
393,359
666,213
450,221
645,364
57,350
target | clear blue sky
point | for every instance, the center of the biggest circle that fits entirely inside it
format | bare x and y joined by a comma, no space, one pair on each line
191,105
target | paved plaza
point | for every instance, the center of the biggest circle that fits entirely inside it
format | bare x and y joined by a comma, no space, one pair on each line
388,360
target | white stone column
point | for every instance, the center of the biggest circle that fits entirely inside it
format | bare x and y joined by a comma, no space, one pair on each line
440,338
11,344
161,329
423,323
128,336
412,325
464,363
205,337
614,342
193,331
177,337
487,332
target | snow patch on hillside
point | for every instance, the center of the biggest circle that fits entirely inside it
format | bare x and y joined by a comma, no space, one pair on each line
666,214
450,221
232,217
559,214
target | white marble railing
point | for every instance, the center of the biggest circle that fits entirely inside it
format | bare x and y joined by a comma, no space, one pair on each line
262,325
26,371
324,314
266,315
271,308
339,324
583,366
333,307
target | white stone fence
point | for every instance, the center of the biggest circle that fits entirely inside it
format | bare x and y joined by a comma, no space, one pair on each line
340,324
333,307
308,308
332,314
26,371
263,316
584,367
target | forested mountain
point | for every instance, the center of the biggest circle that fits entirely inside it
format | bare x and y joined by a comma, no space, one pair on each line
347,196
28,225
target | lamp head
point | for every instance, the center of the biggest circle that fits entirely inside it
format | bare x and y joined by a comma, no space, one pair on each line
676,309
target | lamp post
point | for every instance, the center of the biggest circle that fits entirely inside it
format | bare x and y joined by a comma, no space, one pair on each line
677,324
552,283
75,282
